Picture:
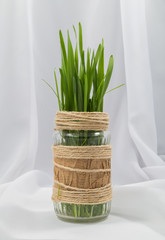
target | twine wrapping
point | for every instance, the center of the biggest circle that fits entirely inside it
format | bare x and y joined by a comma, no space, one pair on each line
82,173
81,120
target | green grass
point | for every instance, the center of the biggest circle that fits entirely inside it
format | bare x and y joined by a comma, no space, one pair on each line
83,82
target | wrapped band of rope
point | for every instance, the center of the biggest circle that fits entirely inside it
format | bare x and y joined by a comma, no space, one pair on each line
82,152
82,120
82,174
57,183
81,170
81,196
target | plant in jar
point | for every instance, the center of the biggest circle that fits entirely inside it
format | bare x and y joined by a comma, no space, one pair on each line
83,85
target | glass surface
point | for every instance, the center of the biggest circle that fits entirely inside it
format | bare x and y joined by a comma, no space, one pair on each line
81,212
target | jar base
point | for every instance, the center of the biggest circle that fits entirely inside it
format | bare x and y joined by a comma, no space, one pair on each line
79,213
82,220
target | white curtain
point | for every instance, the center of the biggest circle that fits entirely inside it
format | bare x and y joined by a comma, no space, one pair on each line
133,31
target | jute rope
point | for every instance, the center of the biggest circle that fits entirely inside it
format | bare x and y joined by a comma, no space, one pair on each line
82,173
81,120
77,196
82,152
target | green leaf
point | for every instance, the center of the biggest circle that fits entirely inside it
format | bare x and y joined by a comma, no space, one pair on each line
107,80
85,94
63,81
62,96
97,56
90,105
76,59
94,79
89,78
75,93
81,73
80,96
59,102
49,86
63,49
101,65
88,63
75,32
81,45
76,53
65,89
116,87
108,75
71,70
93,58
70,57
94,103
98,93
80,39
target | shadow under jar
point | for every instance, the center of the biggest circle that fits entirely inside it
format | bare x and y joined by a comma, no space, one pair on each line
76,212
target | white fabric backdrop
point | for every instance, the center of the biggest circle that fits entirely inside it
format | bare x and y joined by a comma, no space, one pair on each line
133,30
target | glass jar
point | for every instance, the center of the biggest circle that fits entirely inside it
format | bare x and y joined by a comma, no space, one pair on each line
81,212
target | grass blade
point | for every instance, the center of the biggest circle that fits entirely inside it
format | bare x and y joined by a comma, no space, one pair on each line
65,89
76,59
80,96
85,94
101,65
89,77
94,79
75,32
59,102
109,73
49,86
71,70
107,80
63,49
88,63
97,56
76,53
62,95
81,45
75,93
99,89
116,87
